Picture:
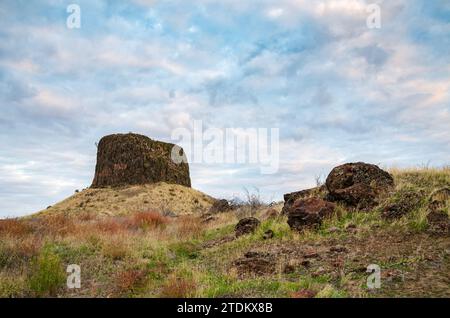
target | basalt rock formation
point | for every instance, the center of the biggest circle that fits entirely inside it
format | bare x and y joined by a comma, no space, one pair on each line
132,159
358,184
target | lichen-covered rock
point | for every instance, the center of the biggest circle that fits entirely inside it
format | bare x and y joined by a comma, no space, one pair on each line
246,226
359,185
130,159
290,198
309,213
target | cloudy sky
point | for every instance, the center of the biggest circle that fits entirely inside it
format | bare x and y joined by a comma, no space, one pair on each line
337,90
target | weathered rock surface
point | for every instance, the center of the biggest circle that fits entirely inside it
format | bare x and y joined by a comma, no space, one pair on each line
358,185
246,226
310,212
131,159
256,263
290,198
220,206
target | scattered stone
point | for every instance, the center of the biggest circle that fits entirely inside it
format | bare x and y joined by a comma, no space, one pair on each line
268,234
319,272
256,263
307,213
305,263
311,254
333,230
289,269
246,226
338,249
439,199
359,185
439,223
169,214
130,159
220,206
290,198
404,203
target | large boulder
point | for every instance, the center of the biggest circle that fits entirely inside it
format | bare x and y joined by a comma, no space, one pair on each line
309,213
290,198
130,159
359,185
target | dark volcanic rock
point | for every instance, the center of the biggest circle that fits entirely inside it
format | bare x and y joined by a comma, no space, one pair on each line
290,198
220,206
268,234
358,184
246,226
130,159
256,263
404,203
439,223
309,213
439,199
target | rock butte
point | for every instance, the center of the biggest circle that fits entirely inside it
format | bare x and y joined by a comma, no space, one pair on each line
132,159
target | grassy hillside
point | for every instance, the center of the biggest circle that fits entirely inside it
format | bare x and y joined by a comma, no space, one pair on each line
143,254
164,197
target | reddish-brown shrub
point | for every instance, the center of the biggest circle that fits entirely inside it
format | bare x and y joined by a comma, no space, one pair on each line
56,224
178,287
127,281
110,225
146,220
15,227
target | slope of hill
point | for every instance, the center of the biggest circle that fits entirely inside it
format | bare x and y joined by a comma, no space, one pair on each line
148,255
163,197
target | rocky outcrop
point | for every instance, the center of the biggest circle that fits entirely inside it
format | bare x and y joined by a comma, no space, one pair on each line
358,185
131,159
290,198
246,226
309,213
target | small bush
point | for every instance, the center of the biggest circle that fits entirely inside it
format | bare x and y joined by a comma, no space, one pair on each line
147,220
179,287
47,274
115,249
15,227
127,281
109,225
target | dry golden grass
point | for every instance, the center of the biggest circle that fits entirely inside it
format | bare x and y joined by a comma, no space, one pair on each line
139,252
162,197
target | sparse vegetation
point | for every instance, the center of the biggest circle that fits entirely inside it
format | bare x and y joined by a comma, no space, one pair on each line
146,254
